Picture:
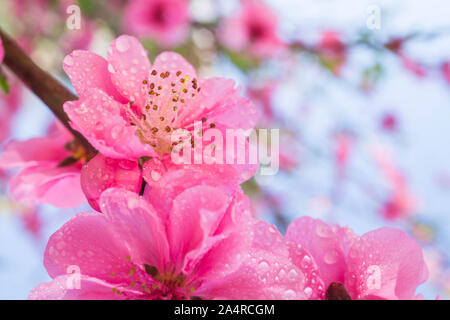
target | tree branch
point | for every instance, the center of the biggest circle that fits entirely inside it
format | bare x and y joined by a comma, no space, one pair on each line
42,84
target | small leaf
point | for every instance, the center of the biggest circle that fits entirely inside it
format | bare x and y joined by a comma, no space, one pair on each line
4,85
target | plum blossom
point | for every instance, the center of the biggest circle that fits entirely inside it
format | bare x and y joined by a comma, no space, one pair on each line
381,264
254,27
128,109
166,21
47,173
186,239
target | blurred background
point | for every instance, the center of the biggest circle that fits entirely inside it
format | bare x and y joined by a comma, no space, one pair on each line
360,91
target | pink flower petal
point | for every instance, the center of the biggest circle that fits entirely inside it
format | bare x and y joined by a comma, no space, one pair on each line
179,178
323,244
173,62
88,70
268,272
84,241
64,288
102,173
138,226
98,118
385,263
195,214
129,66
47,184
29,153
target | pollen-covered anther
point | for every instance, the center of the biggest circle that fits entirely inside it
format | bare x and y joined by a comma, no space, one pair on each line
165,102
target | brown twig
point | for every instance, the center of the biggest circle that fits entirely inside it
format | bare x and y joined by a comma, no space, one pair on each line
42,84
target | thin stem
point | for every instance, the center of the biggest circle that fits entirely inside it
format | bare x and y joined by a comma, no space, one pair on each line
42,84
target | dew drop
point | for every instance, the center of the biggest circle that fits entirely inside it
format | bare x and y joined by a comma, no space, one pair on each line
156,175
111,68
264,266
122,44
289,294
331,257
308,292
68,60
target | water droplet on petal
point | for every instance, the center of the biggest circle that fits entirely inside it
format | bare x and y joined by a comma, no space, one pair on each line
156,175
331,257
111,68
263,266
122,44
289,294
308,292
68,60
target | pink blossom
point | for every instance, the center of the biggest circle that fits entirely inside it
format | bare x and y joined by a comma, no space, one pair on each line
262,98
445,69
413,66
203,243
401,203
333,51
344,144
254,27
382,264
129,109
389,122
167,21
31,221
43,178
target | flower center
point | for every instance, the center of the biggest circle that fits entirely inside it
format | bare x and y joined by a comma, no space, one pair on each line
168,98
158,14
257,31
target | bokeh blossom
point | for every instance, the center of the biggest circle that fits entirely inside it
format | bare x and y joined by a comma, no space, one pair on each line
254,27
165,21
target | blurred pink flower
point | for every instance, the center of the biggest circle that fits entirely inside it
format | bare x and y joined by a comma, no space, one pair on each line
203,243
445,69
43,178
344,143
333,51
26,11
401,202
128,109
167,21
389,122
31,221
78,39
254,27
382,264
262,98
413,66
